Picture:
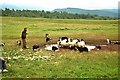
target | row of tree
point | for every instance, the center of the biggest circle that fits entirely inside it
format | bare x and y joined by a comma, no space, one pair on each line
49,14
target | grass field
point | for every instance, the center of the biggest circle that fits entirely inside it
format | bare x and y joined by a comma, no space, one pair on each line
62,64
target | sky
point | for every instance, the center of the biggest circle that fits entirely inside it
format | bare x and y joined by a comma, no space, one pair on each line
53,4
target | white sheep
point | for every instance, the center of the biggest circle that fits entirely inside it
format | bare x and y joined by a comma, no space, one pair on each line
73,42
80,43
98,47
63,42
2,44
112,42
53,47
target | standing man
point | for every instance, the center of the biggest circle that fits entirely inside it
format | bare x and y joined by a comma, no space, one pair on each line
23,36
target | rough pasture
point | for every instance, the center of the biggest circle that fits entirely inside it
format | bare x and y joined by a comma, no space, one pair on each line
65,63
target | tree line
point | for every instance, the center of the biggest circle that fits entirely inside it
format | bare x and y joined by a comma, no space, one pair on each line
50,14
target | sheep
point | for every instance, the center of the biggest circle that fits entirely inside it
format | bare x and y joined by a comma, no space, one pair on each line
63,42
53,47
117,42
98,47
108,41
93,47
82,49
47,38
73,48
85,48
80,43
2,44
72,44
88,48
35,47
76,44
69,41
114,42
3,65
63,38
19,42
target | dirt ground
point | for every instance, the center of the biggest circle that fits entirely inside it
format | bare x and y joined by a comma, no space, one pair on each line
104,45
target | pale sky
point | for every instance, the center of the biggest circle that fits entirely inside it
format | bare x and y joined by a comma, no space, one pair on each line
53,4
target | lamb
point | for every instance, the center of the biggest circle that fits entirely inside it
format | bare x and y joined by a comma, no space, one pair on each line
108,41
63,42
87,48
98,47
93,47
80,43
73,48
2,44
3,65
47,38
70,43
63,38
114,42
19,42
73,42
82,49
35,47
117,42
53,47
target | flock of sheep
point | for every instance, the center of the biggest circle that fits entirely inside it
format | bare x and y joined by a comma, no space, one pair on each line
75,44
72,44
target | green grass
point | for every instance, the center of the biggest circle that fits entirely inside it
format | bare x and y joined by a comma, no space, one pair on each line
98,64
38,27
71,64
62,64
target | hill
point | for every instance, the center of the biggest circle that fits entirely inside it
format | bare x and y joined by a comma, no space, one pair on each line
103,12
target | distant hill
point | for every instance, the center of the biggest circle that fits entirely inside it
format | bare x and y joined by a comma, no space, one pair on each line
102,12
111,10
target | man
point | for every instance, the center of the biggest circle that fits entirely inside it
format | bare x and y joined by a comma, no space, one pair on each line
23,36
